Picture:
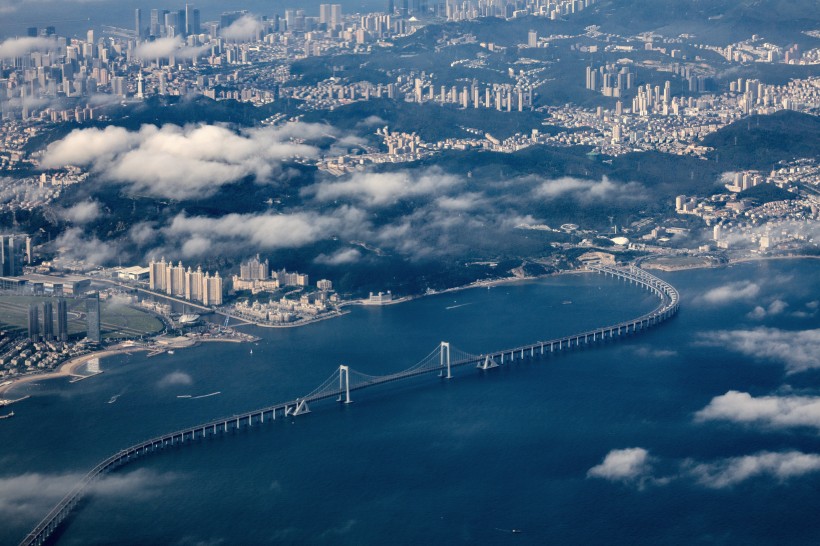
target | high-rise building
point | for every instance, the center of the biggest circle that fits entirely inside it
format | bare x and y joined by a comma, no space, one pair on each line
254,269
92,311
335,15
194,284
138,22
212,289
33,323
592,79
156,274
189,20
324,285
11,251
48,321
324,14
196,25
532,38
182,22
62,320
230,17
175,280
155,22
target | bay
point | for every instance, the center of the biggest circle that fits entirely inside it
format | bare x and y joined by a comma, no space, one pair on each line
434,461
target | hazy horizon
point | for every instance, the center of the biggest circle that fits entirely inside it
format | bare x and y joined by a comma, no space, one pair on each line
74,17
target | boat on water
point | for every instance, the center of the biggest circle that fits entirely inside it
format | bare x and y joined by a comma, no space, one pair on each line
170,352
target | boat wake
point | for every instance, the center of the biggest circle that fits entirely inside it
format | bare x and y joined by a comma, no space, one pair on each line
457,306
205,395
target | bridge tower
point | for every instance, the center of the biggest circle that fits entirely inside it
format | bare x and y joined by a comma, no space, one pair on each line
444,356
344,383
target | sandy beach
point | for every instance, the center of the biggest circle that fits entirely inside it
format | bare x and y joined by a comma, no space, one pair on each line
68,368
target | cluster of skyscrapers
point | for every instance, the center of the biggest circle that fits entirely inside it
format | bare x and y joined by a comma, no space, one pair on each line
610,79
15,250
167,23
192,285
47,332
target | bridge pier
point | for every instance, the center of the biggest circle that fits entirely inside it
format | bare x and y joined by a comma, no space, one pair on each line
301,408
489,363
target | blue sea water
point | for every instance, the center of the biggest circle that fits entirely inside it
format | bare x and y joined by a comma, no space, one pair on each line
435,461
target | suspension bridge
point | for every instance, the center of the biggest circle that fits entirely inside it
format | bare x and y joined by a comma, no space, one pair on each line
344,381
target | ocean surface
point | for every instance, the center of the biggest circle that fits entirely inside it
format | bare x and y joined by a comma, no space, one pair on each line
74,17
431,461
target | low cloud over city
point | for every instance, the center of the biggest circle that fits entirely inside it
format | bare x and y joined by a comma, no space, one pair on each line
181,162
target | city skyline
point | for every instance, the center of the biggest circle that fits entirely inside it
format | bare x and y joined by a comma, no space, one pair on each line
379,249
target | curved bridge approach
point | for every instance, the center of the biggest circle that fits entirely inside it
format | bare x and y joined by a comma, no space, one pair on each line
345,380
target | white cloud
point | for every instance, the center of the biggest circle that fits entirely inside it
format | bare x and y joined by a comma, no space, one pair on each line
31,495
142,233
382,189
371,121
774,412
634,467
732,471
75,244
180,162
649,352
343,256
244,28
736,291
774,308
82,213
623,465
163,48
797,350
175,379
588,190
15,47
83,146
199,235
460,203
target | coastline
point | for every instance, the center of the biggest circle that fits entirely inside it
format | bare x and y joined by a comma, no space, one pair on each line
67,368
300,323
731,261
